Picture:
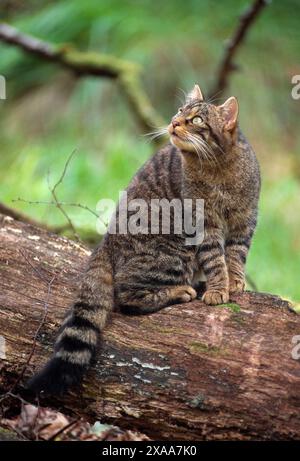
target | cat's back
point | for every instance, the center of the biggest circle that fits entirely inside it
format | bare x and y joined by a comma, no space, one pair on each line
160,177
249,167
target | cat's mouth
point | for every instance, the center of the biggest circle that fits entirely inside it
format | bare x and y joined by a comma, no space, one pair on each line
172,132
179,139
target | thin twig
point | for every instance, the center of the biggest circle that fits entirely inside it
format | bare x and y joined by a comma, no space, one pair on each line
33,267
61,178
46,202
53,193
59,204
59,229
67,426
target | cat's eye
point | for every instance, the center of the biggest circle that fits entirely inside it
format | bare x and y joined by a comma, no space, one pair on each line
197,120
179,110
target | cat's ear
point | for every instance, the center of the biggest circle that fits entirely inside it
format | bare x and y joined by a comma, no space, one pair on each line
195,94
230,111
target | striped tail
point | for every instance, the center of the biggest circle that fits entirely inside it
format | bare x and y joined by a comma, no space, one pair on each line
76,343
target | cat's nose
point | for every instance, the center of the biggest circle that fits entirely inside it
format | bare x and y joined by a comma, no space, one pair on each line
175,123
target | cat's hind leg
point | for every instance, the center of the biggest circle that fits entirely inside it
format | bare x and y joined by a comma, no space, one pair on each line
145,288
146,301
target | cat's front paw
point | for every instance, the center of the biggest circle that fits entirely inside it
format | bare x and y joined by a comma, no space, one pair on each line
237,286
214,297
184,294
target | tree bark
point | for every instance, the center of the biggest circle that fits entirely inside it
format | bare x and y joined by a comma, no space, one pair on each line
189,372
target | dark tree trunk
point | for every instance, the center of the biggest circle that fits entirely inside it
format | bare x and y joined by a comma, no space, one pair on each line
188,372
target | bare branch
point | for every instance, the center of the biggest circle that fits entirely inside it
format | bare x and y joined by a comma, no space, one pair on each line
176,358
227,65
56,201
53,203
61,178
91,63
59,204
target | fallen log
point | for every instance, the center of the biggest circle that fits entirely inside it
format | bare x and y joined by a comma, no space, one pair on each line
189,372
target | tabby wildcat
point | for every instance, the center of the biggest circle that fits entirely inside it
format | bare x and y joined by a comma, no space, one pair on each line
208,158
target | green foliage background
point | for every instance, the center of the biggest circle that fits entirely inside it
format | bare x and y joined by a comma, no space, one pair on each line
48,112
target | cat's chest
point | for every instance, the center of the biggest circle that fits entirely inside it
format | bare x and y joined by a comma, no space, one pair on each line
220,197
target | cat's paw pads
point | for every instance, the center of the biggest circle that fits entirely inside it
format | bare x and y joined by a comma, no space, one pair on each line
185,294
236,286
214,297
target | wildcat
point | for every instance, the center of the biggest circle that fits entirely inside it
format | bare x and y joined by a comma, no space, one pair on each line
207,158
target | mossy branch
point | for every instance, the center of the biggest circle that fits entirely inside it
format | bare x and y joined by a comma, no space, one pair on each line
188,372
91,64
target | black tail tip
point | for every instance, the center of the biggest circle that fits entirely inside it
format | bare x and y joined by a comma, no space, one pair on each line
56,377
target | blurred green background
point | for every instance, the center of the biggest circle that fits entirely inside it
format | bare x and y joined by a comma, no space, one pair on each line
48,112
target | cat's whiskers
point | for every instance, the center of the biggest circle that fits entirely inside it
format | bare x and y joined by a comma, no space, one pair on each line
221,149
210,151
197,144
157,133
197,149
182,97
204,148
213,97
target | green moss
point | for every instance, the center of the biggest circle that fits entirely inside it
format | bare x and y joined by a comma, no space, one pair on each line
232,306
99,62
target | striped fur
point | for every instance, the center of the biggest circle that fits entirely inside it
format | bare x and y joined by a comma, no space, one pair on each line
209,159
78,337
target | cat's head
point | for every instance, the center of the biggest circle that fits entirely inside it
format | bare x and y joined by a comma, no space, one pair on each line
203,127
